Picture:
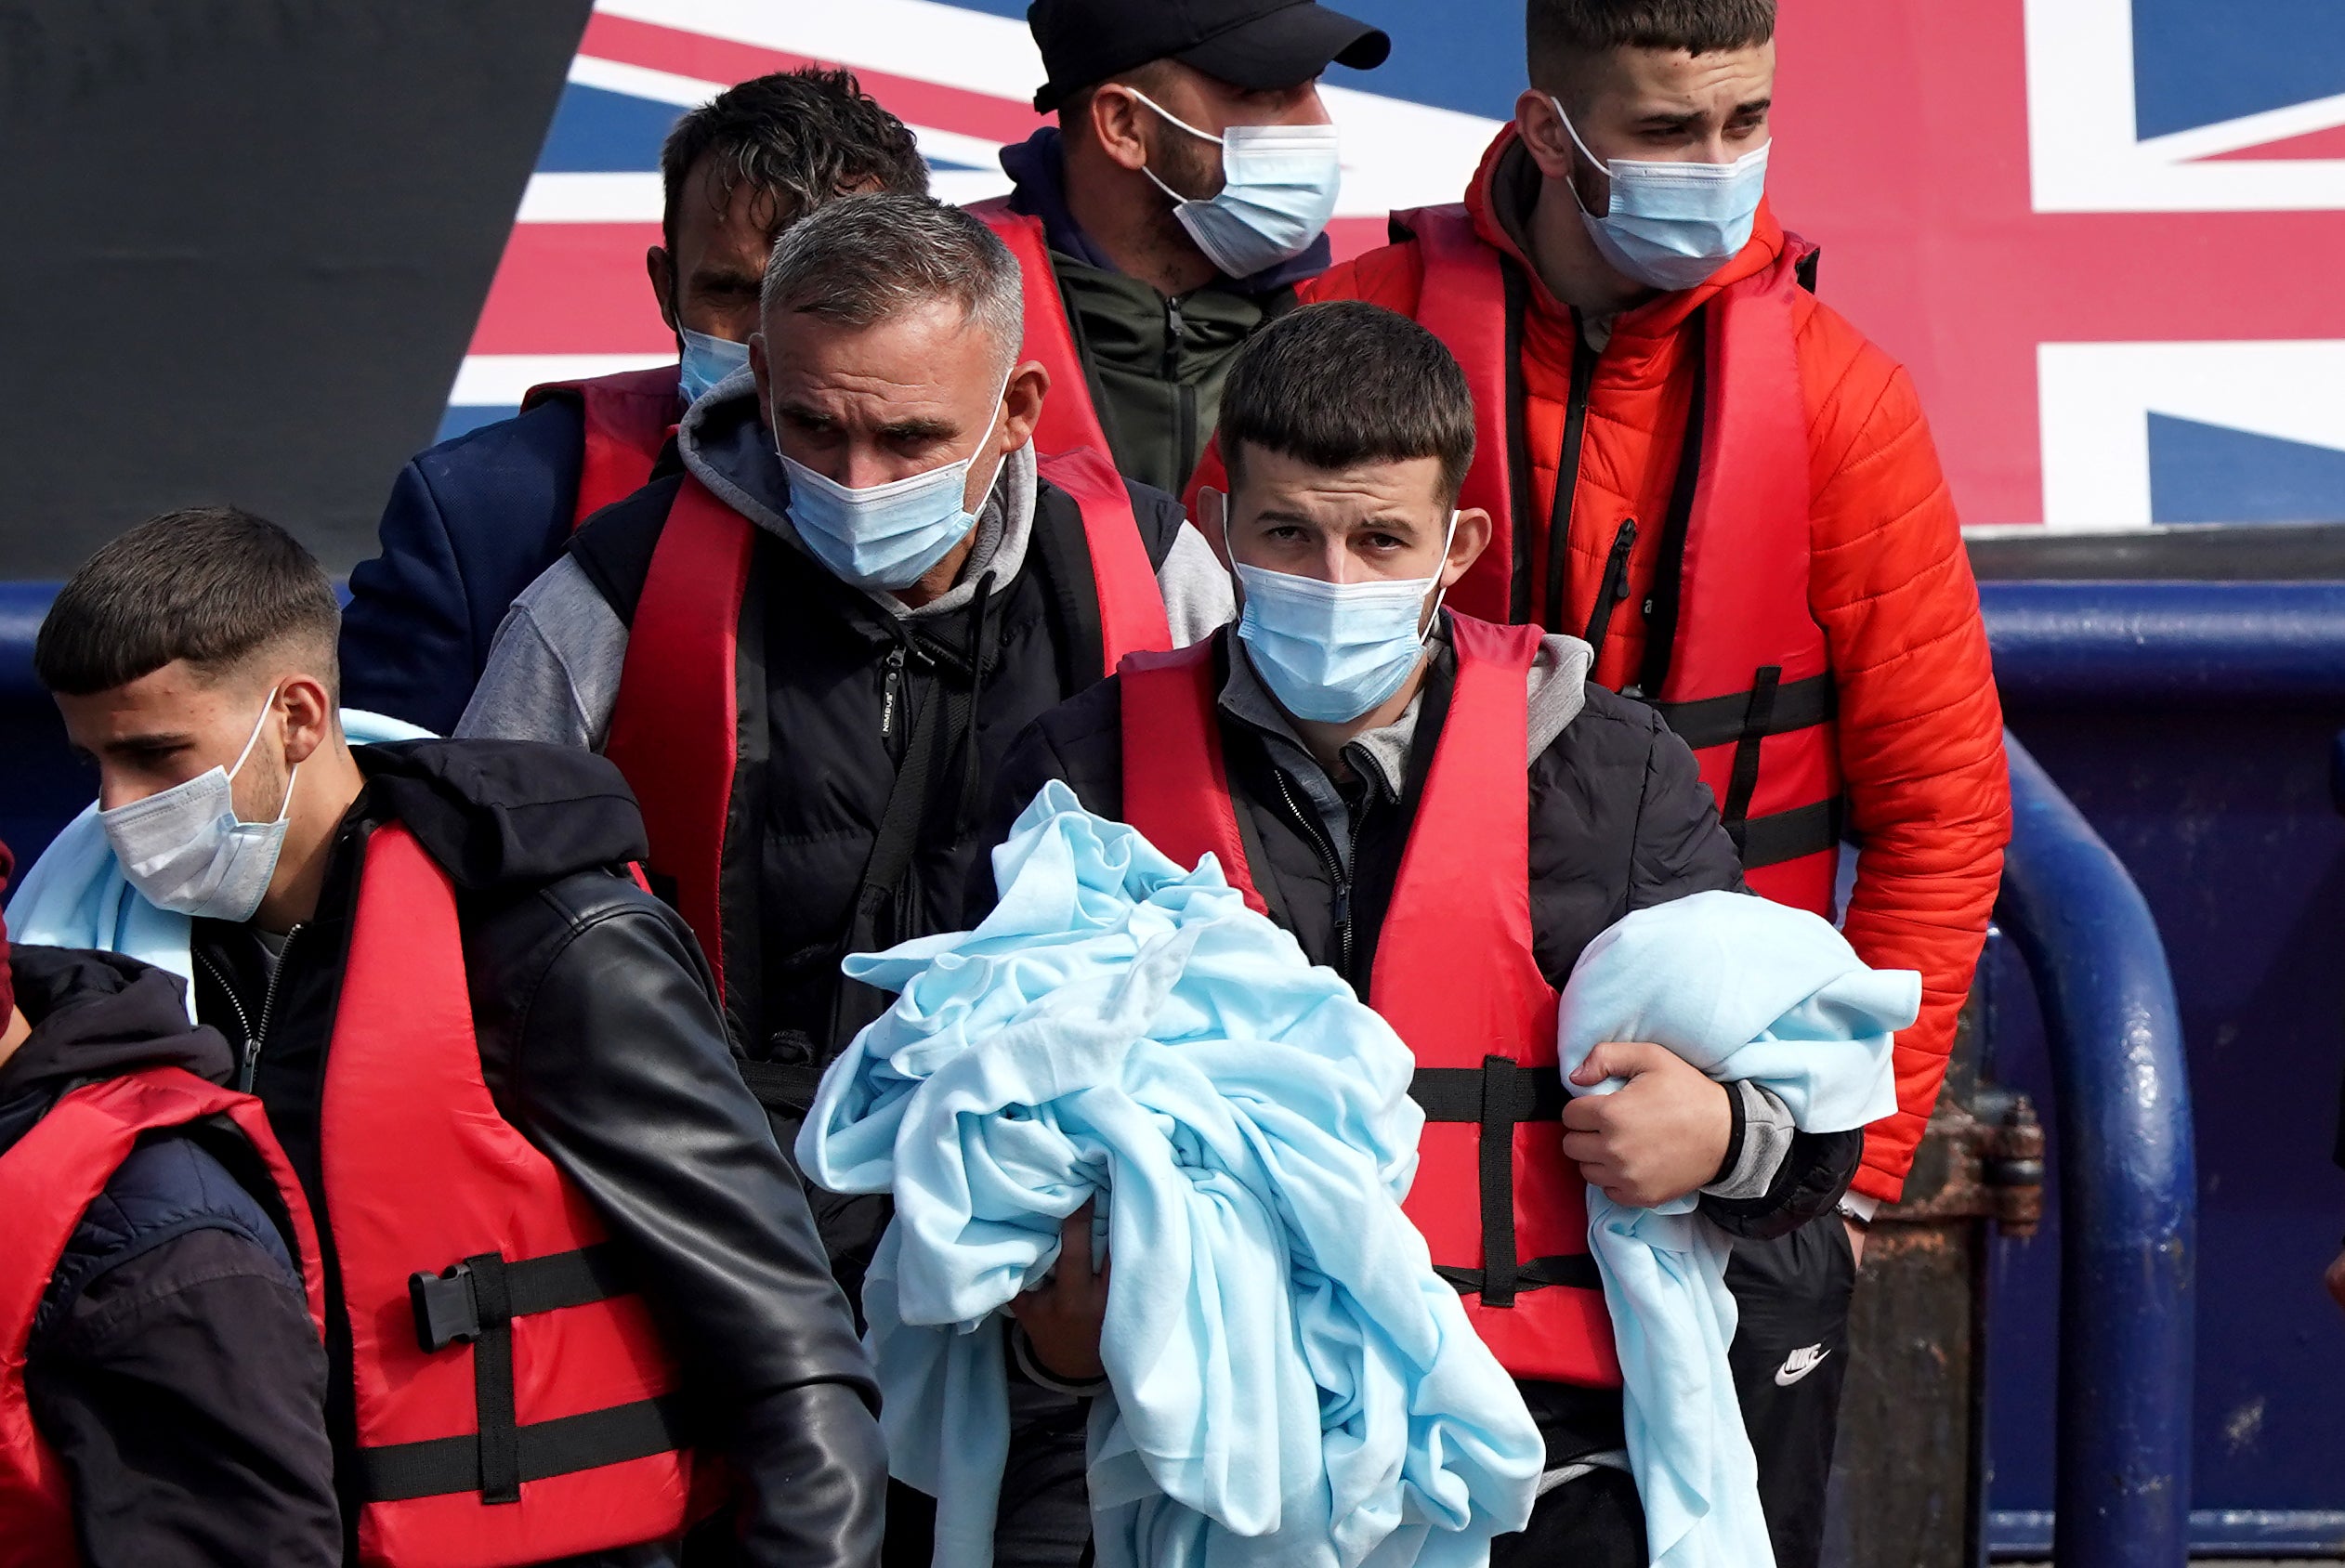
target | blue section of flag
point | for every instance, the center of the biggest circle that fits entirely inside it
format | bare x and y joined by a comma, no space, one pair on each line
463,418
2197,63
600,133
2206,474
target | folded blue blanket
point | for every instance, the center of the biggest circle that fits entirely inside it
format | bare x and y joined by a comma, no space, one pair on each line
1292,1383
75,894
1741,989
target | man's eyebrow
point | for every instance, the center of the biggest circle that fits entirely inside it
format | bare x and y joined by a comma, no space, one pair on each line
919,430
805,414
1756,106
1664,119
154,740
726,282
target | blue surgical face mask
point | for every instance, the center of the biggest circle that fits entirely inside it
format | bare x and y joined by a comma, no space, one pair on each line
186,850
708,360
1278,187
1670,226
886,536
1331,651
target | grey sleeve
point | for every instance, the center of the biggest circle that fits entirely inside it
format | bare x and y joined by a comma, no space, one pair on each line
1766,1144
1197,599
553,671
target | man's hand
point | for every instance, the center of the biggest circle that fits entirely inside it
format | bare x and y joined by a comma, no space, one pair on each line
1661,1136
1064,1314
2335,1280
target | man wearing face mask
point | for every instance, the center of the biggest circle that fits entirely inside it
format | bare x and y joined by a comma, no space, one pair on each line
1714,478
808,650
1357,756
564,1269
473,521
1171,213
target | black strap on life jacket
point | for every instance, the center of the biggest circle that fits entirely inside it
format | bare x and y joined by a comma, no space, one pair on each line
1742,718
1499,1095
476,1302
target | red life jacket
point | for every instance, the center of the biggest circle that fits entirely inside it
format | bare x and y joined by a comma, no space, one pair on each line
513,1400
48,1181
629,418
674,729
1504,1211
1747,679
1070,424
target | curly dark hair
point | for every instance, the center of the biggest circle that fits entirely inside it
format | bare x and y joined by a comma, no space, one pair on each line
801,136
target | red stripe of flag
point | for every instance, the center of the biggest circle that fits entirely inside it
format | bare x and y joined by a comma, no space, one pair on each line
573,288
722,59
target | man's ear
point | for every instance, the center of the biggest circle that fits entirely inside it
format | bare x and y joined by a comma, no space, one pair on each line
1115,117
1029,384
1543,136
660,268
310,716
1467,542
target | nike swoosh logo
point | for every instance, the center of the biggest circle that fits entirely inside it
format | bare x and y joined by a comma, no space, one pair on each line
1799,1364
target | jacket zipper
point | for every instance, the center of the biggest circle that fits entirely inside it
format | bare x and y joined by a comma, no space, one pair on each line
1614,588
1337,868
891,689
1583,376
1184,395
248,1059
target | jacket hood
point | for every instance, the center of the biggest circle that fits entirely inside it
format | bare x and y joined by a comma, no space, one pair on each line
1500,203
723,444
96,1015
505,813
1037,169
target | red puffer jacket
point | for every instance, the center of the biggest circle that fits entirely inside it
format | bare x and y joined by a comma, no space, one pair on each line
1920,730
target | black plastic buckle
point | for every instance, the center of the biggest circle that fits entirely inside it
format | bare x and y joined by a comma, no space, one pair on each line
446,1311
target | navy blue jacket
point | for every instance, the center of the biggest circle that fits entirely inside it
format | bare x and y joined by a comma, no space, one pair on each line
173,1366
471,523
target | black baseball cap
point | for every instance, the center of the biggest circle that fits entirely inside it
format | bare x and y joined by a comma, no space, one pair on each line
1253,44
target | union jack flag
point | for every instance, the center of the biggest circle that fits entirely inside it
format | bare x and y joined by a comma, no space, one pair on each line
2104,234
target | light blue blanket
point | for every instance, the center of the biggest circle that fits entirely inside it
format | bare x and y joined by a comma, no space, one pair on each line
1742,988
1292,1383
75,894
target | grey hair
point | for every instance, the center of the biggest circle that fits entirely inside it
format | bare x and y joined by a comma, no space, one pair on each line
862,259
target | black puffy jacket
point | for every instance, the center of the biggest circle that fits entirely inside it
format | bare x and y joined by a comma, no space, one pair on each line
601,1043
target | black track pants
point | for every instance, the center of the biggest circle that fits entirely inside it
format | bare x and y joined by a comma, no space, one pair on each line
1790,1357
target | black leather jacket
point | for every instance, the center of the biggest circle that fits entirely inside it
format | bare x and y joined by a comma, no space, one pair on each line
600,1042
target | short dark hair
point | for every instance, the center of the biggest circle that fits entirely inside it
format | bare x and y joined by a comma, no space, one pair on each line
1560,30
213,585
801,136
1345,382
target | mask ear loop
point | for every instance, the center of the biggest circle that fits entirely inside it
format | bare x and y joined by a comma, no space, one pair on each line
1603,166
294,772
1001,412
1171,119
1441,592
